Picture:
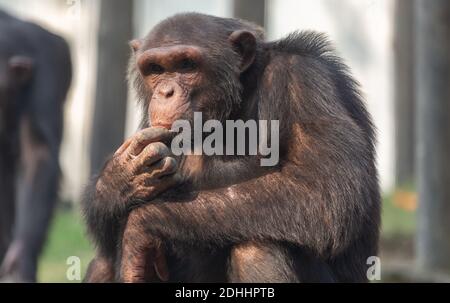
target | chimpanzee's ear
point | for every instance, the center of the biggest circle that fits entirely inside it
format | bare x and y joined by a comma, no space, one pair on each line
21,68
135,44
244,43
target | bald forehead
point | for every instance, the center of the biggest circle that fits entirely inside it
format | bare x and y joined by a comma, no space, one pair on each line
198,29
187,30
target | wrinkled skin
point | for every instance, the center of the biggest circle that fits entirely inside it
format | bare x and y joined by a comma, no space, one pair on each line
313,217
139,170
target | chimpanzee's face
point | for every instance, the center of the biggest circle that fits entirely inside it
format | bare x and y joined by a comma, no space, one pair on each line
174,74
191,67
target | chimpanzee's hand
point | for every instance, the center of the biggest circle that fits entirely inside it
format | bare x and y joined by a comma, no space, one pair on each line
9,268
139,170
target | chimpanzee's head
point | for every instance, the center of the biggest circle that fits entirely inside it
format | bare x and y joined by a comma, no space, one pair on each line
193,62
16,68
15,73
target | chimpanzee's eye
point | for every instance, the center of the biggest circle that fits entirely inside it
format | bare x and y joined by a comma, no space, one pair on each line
187,64
154,68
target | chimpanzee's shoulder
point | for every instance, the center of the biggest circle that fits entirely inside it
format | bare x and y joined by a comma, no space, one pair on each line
18,29
5,16
314,52
305,43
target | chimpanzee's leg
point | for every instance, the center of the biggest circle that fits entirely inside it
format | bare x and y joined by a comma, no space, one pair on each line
38,185
197,264
311,268
100,270
147,259
274,262
142,256
255,262
7,198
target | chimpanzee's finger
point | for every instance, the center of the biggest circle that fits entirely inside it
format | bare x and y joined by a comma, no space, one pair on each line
124,146
167,166
150,154
151,187
147,136
163,167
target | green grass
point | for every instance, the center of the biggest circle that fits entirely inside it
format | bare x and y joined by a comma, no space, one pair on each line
66,238
396,221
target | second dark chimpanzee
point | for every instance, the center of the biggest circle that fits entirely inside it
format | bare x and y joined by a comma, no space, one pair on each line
35,74
313,217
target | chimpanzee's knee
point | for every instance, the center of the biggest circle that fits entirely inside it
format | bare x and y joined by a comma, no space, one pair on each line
100,270
256,262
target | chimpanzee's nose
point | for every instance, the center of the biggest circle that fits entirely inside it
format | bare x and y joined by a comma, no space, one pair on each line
167,91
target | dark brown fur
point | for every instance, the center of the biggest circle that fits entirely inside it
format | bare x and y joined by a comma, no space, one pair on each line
35,75
314,217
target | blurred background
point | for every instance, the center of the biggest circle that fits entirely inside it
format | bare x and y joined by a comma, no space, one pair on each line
390,46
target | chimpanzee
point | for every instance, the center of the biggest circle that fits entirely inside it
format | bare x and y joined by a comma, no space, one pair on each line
313,217
35,74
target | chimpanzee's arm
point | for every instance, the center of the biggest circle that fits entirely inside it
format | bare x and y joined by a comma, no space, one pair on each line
320,197
203,173
100,217
278,206
139,170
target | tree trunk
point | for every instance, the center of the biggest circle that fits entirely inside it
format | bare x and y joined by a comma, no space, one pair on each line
250,10
433,133
404,93
108,126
